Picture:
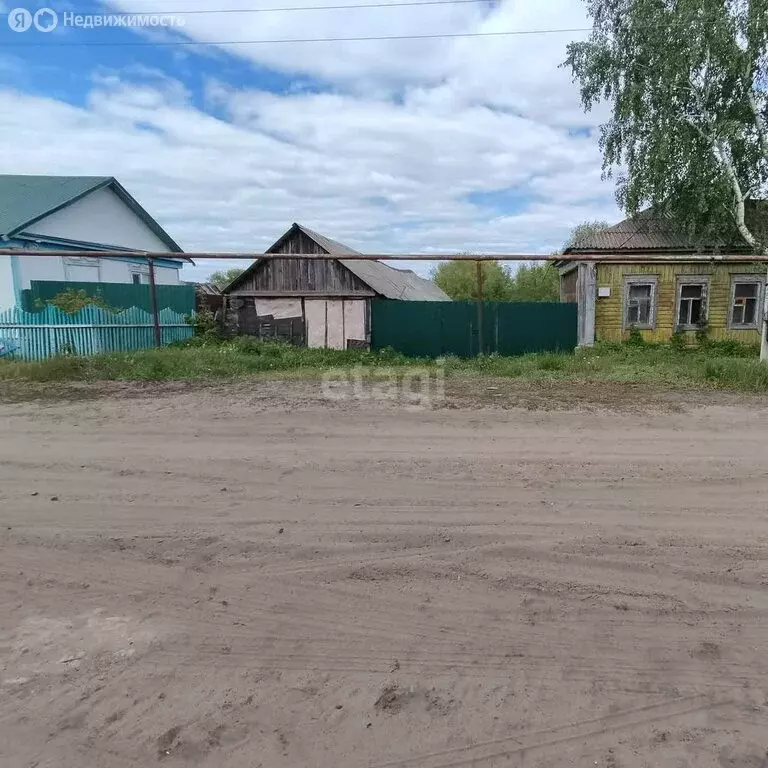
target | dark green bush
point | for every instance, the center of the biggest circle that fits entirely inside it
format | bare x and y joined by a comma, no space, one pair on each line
635,338
679,341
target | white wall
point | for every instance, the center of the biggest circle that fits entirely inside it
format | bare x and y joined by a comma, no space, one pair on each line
39,268
116,271
100,217
166,276
109,271
7,295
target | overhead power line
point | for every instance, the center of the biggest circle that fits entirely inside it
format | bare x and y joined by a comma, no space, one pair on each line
284,9
285,41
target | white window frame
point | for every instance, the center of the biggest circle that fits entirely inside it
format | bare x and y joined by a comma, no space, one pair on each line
142,271
629,280
684,280
741,279
79,261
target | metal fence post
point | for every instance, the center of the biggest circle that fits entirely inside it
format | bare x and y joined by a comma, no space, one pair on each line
480,346
153,297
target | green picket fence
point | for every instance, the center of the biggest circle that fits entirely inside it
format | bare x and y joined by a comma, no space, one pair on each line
436,328
91,331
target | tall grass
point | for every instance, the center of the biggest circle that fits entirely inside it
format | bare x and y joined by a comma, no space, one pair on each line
718,365
239,357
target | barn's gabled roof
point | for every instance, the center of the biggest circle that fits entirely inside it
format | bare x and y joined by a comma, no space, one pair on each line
25,200
386,281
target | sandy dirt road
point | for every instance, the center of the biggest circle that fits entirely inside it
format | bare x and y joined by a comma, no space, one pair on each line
253,578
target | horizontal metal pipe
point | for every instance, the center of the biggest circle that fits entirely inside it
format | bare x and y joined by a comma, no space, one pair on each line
624,258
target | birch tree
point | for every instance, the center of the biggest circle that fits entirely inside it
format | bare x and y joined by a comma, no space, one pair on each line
686,82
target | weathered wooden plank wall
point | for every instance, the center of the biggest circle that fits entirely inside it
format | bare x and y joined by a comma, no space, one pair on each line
568,287
302,277
609,312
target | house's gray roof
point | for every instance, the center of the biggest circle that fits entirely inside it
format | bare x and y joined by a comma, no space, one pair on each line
650,231
391,283
386,281
25,200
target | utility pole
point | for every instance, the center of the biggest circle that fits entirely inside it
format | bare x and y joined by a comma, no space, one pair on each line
153,298
479,268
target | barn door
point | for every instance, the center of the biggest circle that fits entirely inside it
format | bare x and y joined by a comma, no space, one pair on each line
334,323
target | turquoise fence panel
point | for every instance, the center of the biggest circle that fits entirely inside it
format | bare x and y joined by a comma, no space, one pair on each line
179,298
436,328
90,331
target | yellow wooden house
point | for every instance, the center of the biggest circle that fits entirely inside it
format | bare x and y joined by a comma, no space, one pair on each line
655,281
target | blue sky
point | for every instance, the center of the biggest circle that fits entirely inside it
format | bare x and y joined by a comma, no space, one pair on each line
411,145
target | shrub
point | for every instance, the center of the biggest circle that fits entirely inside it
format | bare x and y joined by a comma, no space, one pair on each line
702,333
71,301
679,341
635,337
204,324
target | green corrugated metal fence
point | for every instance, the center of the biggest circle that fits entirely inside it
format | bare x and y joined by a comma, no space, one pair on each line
435,328
92,330
179,298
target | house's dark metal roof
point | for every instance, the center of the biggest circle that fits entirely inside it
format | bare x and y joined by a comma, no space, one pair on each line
25,200
387,281
649,231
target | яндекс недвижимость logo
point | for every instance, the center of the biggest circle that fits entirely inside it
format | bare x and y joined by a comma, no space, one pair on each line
43,19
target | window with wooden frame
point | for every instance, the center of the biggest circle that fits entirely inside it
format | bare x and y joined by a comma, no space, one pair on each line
640,301
746,302
692,310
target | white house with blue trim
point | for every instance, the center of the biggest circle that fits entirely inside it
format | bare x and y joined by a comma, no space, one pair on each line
77,213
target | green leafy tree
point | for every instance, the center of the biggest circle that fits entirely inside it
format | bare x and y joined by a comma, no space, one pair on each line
686,81
222,278
535,282
582,232
459,280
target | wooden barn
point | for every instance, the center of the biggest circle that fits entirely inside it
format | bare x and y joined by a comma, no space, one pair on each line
320,303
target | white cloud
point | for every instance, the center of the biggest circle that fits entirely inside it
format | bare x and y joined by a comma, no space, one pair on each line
381,174
518,72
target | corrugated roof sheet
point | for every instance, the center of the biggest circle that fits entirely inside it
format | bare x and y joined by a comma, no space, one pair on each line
24,199
649,231
208,289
